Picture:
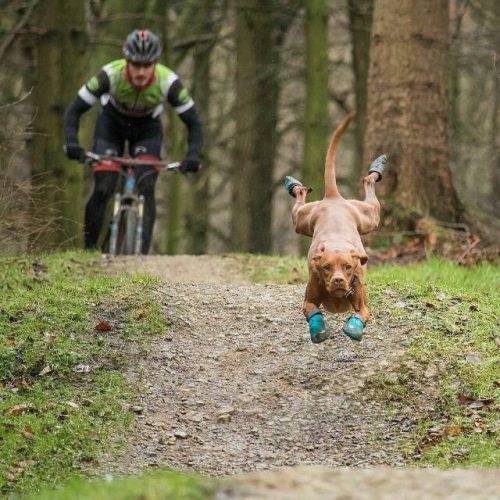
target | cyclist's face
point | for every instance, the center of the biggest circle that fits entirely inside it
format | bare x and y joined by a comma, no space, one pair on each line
140,73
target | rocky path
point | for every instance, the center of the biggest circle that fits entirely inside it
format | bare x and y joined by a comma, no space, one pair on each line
236,386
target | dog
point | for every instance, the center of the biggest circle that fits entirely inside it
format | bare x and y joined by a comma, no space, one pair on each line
336,258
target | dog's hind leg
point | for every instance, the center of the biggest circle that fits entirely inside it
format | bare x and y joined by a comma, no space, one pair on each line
301,212
368,210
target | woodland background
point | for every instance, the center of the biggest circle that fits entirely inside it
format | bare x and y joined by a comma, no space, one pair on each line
271,79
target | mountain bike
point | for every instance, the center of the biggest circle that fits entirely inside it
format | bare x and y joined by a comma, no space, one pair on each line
126,226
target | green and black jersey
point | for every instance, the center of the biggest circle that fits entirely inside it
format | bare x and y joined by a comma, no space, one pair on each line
112,86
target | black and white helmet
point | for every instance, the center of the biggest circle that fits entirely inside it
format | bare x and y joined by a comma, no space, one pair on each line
142,46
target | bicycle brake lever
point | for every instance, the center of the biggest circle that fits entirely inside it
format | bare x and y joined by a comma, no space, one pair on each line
91,158
174,167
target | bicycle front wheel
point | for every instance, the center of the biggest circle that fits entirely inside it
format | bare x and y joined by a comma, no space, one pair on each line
129,245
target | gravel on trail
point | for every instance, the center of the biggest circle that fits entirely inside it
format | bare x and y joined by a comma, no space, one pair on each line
235,386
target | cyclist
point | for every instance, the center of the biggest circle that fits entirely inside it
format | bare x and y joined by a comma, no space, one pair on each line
132,91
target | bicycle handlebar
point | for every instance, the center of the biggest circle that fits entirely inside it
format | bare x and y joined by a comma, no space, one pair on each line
92,158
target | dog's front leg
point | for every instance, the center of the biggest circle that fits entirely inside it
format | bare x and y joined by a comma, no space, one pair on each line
358,299
312,312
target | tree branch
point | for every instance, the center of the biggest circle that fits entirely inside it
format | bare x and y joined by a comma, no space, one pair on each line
12,35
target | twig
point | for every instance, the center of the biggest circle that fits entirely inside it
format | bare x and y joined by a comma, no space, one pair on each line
469,248
15,31
21,99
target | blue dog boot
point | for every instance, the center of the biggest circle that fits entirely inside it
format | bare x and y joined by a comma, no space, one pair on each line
290,183
317,327
354,328
378,166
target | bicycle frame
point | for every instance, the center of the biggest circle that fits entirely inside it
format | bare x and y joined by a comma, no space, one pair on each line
126,227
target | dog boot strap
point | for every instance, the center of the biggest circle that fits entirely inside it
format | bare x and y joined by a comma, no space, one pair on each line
378,166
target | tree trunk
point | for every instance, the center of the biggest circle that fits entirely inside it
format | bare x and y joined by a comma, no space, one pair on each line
61,61
360,17
197,215
316,120
257,92
408,106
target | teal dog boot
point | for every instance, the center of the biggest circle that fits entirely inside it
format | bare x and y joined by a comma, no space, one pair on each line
354,328
317,327
290,183
378,166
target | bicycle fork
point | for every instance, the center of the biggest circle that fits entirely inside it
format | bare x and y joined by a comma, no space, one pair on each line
139,227
113,236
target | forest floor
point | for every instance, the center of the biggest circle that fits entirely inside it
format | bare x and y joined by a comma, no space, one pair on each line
235,388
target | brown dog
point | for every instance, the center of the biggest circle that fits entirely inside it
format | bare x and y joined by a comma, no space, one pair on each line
336,257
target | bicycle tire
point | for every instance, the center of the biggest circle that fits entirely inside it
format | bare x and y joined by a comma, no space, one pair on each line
130,232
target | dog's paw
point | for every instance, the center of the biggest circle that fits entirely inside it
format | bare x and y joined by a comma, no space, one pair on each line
354,328
378,166
317,328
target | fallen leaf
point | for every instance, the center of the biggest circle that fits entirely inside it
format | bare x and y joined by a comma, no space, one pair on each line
9,476
39,268
9,342
73,405
26,463
82,369
46,370
454,430
27,432
465,399
103,326
19,409
94,436
473,358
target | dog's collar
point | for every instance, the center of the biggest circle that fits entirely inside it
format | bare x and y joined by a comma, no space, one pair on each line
350,290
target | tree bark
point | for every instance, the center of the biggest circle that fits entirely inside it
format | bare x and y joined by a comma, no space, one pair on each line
61,62
257,92
197,217
408,106
316,120
360,20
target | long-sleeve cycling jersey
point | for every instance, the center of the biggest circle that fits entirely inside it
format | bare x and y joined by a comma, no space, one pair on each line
112,87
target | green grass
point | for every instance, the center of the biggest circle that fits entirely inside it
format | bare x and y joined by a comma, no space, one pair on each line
157,486
452,314
62,390
56,420
264,269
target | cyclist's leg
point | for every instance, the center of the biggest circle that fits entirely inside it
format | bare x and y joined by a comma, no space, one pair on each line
147,144
95,209
106,139
147,177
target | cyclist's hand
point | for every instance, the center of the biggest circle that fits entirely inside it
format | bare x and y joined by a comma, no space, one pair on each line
74,152
190,165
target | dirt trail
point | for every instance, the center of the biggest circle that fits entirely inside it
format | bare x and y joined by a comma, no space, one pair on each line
236,386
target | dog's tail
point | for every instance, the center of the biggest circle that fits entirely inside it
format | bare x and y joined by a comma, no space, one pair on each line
331,190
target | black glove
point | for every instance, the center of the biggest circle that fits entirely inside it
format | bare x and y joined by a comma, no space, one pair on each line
190,165
74,152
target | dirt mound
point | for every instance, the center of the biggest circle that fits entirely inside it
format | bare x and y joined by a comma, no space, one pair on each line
235,385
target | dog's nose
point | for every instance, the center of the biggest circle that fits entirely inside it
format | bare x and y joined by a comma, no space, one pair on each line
338,280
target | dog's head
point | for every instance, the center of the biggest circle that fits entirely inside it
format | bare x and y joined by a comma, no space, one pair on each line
336,269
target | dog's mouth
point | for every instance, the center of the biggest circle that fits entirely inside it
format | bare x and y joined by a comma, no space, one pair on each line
337,290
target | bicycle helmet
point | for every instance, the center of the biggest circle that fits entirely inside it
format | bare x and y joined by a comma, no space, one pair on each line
142,46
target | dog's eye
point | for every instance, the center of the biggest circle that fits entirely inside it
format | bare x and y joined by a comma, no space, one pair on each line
348,267
327,267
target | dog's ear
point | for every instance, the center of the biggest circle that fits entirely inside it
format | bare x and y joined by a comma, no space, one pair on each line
315,262
363,259
316,258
